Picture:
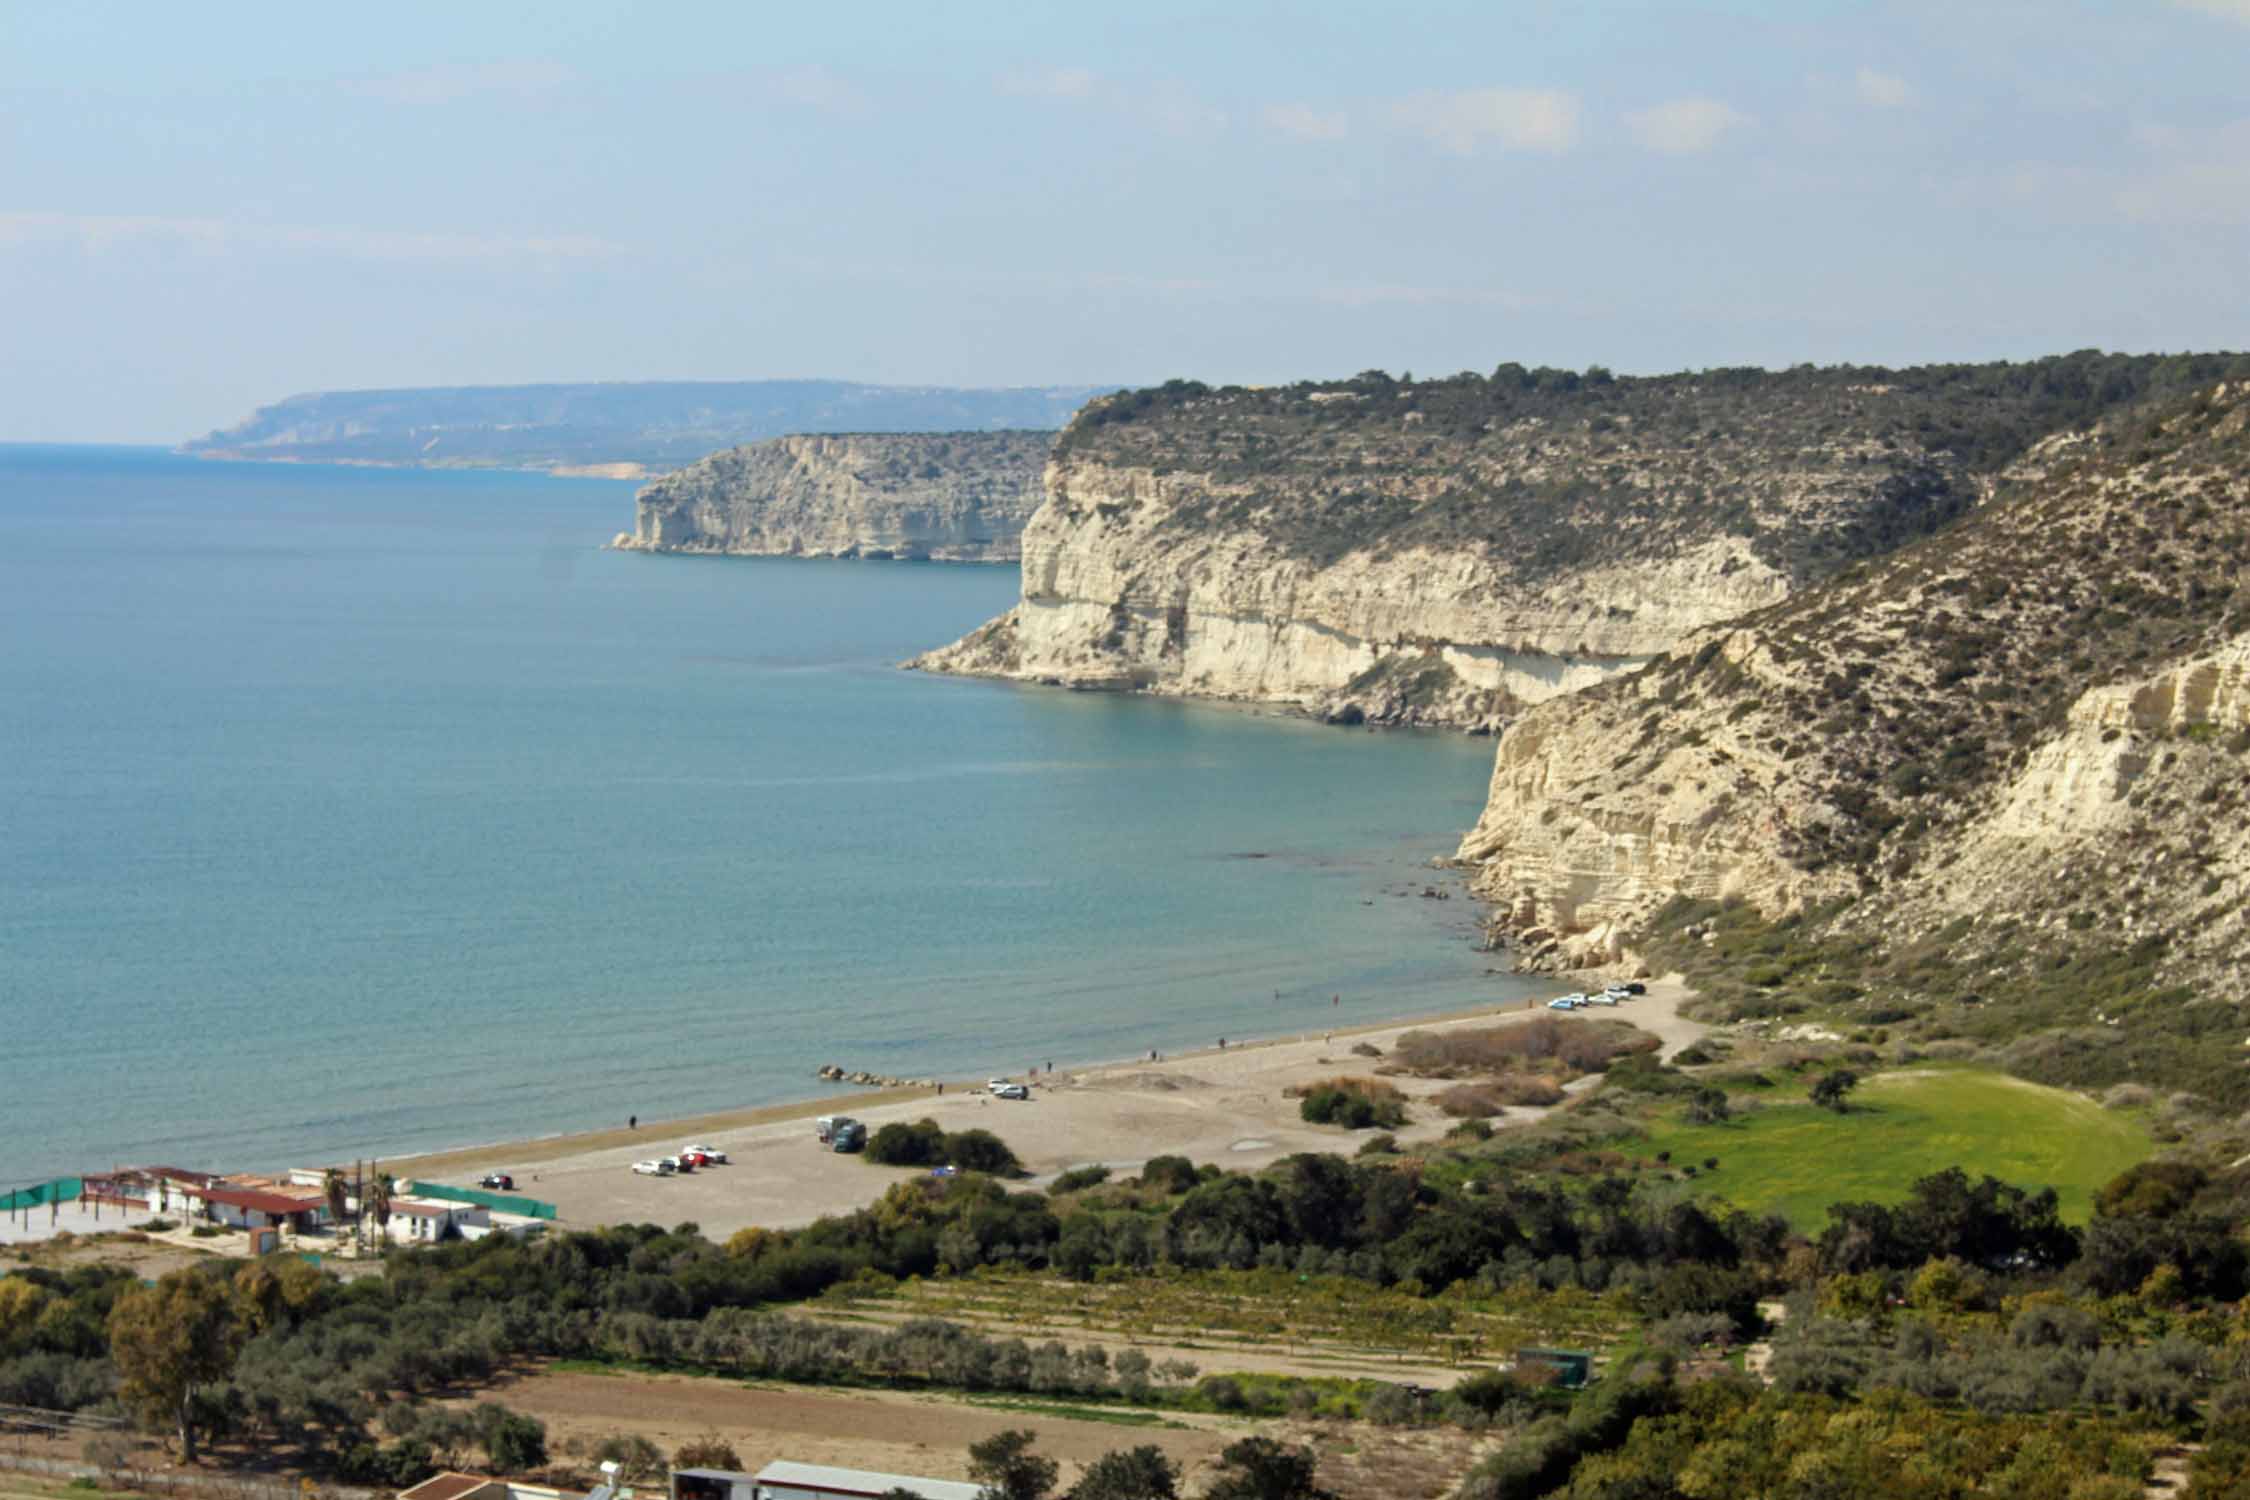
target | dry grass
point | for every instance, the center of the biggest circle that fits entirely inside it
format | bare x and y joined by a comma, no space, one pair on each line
1481,1101
1545,1044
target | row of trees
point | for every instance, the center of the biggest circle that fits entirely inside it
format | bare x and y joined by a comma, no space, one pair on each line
1253,1468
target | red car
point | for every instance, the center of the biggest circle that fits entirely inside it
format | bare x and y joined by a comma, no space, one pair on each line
695,1158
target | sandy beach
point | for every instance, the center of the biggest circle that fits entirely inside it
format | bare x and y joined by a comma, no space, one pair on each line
1223,1106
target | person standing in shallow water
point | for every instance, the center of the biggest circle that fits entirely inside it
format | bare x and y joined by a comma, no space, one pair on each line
632,1122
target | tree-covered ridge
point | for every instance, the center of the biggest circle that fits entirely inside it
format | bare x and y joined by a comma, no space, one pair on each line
1549,470
659,424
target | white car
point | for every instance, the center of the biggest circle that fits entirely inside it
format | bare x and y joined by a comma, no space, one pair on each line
1563,1002
712,1152
1604,998
653,1168
995,1085
1010,1091
1618,991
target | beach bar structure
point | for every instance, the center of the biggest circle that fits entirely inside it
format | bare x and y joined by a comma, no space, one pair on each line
251,1207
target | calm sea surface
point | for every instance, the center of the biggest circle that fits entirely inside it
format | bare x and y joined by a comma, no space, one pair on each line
357,812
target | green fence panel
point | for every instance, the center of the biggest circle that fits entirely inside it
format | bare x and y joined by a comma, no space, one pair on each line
61,1190
529,1208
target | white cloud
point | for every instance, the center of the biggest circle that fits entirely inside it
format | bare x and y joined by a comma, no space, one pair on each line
1051,83
1165,105
1515,119
98,233
820,88
1394,294
1683,127
2194,177
444,83
2225,10
1883,90
1303,123
1173,110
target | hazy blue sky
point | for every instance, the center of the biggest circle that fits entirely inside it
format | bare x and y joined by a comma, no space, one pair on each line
207,207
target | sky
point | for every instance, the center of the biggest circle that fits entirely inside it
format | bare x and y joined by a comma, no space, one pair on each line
206,208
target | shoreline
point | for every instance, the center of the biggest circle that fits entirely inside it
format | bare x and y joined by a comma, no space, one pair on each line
540,1150
1236,1108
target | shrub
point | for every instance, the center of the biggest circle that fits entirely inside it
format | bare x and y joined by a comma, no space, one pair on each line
709,1451
1171,1174
898,1144
981,1151
1471,1101
1354,1103
1077,1179
1379,1145
1526,1090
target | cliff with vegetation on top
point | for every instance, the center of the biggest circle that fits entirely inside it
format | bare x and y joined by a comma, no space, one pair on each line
2003,770
1451,551
955,497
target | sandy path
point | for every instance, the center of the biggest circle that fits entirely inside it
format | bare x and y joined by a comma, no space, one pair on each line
1226,1107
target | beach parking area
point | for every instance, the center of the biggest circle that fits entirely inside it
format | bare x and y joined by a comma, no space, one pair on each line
1226,1107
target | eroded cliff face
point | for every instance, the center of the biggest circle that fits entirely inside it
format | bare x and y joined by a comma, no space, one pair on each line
1453,552
953,497
2038,720
1117,594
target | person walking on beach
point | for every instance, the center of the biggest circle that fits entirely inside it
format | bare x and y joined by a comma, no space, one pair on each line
632,1122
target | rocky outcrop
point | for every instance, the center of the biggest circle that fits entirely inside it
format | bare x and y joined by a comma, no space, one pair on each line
952,497
1451,552
2039,718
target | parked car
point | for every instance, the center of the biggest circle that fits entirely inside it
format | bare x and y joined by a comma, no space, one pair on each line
653,1168
693,1159
712,1154
500,1180
1635,987
1563,1002
677,1165
1604,998
826,1126
1010,1091
995,1085
850,1136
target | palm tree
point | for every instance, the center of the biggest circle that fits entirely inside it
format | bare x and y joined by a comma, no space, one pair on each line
332,1188
379,1202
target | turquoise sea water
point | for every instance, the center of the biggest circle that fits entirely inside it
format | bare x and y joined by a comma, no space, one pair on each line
349,812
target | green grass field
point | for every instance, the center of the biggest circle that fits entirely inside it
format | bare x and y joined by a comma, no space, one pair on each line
1793,1159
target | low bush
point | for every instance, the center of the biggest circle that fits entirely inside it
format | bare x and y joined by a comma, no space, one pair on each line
1471,1101
1077,1179
1354,1103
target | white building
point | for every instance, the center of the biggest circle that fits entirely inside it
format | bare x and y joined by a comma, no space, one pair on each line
425,1221
782,1480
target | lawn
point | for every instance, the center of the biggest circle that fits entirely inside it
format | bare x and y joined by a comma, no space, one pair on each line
1793,1159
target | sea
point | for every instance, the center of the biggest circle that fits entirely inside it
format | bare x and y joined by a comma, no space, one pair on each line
357,812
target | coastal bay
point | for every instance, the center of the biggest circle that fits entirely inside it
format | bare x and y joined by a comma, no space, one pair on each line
363,812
